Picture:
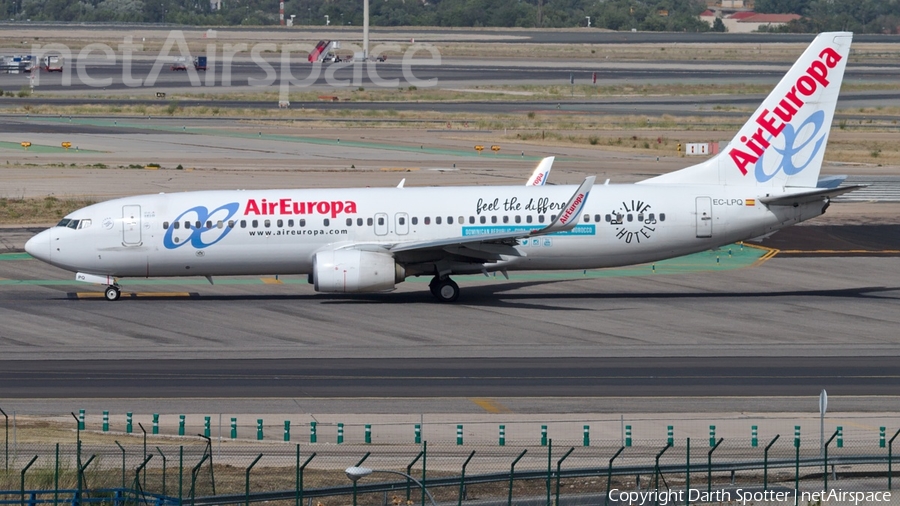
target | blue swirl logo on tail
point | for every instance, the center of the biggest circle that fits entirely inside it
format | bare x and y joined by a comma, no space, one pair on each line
208,229
788,164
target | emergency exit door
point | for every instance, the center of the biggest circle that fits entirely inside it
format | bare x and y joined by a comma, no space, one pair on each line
381,224
704,217
401,223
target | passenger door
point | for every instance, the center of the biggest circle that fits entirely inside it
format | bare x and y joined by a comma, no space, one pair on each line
131,225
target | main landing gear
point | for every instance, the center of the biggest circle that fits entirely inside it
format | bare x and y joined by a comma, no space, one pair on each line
112,293
444,289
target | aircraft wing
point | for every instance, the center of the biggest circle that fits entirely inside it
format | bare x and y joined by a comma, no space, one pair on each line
808,196
497,244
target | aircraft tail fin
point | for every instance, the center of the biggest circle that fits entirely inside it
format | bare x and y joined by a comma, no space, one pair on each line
541,172
783,142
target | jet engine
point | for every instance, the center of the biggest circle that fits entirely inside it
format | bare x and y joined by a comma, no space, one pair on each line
353,270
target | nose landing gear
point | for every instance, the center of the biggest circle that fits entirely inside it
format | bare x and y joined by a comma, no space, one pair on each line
112,293
444,289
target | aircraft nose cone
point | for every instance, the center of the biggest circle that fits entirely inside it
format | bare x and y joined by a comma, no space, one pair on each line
39,246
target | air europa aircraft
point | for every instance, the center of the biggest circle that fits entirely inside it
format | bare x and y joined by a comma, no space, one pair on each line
350,240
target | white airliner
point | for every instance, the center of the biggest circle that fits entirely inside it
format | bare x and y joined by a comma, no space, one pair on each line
350,240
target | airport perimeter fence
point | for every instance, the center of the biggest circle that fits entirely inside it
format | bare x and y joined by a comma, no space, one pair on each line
200,471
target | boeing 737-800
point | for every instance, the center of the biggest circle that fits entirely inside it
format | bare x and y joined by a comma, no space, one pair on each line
350,240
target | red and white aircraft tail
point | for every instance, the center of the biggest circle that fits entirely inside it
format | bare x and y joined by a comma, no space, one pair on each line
783,142
541,172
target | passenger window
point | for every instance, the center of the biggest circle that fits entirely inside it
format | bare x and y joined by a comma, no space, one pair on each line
359,222
230,223
401,220
380,220
415,220
506,219
471,220
483,220
597,218
662,216
165,225
652,217
290,223
279,223
518,219
349,222
427,220
267,223
326,222
587,218
529,218
209,224
493,219
369,222
198,225
541,218
640,216
255,223
243,223
437,220
608,218
630,217
220,224
449,220
187,225
302,222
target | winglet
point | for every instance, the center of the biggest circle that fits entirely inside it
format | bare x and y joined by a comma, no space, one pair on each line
541,172
568,218
402,182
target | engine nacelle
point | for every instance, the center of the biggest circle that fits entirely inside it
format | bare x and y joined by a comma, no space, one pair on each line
353,270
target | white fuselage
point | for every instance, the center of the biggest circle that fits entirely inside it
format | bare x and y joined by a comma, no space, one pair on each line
280,231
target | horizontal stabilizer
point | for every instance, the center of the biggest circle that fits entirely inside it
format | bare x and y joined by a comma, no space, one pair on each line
795,199
830,181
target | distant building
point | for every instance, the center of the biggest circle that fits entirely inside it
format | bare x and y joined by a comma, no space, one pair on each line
747,21
708,16
215,5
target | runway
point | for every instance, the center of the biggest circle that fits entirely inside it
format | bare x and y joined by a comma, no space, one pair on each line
244,75
817,305
507,35
439,377
713,106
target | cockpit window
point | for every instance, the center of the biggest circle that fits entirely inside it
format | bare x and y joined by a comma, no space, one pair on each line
74,224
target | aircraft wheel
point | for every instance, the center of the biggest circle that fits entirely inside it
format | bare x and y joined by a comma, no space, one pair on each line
112,293
447,290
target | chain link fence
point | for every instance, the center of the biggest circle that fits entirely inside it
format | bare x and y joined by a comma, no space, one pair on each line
666,470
